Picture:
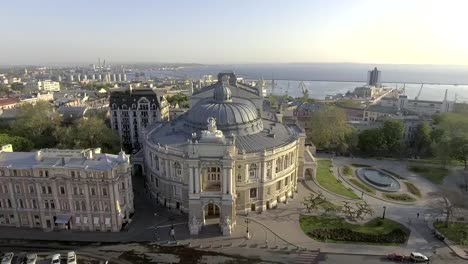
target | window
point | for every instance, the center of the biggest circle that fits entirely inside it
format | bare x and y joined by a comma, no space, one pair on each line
104,191
41,173
64,205
268,165
239,177
214,173
156,162
77,220
96,220
49,189
20,202
34,204
62,190
253,193
17,188
9,203
73,174
75,190
85,220
46,204
83,206
178,169
157,182
44,189
31,189
77,205
52,204
253,170
47,173
278,185
93,191
95,207
286,181
15,173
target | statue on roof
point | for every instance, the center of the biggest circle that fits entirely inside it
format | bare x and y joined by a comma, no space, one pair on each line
212,124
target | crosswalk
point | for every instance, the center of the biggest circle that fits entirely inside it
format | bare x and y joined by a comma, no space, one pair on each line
307,257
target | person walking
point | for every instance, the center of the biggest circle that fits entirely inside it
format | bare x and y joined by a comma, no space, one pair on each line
417,215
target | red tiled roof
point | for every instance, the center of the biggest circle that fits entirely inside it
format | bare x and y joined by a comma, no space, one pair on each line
8,101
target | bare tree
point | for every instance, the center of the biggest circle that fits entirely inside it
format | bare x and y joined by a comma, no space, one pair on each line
452,201
363,209
313,202
349,210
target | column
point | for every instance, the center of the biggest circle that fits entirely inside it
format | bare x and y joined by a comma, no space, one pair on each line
197,180
225,179
229,180
191,180
264,171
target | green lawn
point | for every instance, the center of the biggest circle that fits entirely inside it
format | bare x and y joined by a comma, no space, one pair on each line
413,189
362,186
457,232
347,171
376,226
434,174
329,205
399,197
328,181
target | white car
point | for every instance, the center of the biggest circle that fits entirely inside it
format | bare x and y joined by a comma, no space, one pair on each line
55,259
31,259
71,257
7,258
418,257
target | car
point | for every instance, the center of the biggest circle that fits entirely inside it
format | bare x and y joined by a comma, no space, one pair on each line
7,258
55,259
71,257
396,257
418,257
31,258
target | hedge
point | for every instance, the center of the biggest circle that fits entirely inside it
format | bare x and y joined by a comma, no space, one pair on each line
396,236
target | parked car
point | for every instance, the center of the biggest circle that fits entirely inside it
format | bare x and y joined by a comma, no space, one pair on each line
396,257
31,258
7,258
71,257
55,259
418,257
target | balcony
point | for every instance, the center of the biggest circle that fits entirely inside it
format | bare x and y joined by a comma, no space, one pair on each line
212,186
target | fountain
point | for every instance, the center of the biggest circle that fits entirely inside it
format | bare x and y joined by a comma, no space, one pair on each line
379,180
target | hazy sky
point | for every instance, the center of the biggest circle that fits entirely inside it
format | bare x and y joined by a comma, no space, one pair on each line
238,31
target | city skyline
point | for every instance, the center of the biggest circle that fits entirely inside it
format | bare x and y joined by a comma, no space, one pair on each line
209,32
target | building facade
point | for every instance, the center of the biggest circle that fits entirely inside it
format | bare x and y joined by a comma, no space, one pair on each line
132,110
373,77
55,189
222,157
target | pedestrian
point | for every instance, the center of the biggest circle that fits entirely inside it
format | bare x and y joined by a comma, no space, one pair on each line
417,215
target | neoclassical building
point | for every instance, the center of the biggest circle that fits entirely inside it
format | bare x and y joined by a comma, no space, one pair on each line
63,189
226,155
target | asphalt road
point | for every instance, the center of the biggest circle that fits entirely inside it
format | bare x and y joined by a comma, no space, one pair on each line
351,259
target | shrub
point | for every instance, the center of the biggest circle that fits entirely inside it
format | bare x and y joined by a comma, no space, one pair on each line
413,189
396,236
401,197
358,165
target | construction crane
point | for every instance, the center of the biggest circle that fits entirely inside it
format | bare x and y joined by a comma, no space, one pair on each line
419,93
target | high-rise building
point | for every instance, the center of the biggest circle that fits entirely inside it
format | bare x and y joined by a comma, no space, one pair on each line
133,110
373,77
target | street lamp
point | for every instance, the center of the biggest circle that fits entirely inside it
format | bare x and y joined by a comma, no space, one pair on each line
172,233
383,215
247,235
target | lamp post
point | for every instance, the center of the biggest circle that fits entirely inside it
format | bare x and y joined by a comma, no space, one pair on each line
247,235
383,215
172,232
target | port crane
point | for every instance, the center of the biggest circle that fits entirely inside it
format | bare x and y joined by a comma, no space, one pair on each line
419,93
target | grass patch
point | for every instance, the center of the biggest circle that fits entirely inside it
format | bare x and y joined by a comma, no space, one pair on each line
396,175
337,229
326,205
457,232
362,186
434,174
328,181
400,197
413,189
347,171
358,165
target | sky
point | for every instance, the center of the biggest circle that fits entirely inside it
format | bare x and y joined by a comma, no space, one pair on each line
234,32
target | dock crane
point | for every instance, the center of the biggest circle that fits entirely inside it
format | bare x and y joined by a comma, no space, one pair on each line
419,93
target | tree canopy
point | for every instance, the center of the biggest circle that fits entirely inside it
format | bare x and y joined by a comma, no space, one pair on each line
386,140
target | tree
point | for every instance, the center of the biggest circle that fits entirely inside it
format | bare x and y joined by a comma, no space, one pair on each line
422,140
329,129
178,99
90,133
363,209
441,149
450,202
38,123
313,202
19,143
454,129
393,131
372,141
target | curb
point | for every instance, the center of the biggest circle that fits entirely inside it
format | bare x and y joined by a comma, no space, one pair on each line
373,196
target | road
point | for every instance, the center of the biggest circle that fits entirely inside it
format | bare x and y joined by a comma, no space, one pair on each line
348,259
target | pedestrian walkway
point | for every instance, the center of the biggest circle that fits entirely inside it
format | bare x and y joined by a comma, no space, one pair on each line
307,257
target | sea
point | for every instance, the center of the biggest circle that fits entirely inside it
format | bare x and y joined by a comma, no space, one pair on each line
323,79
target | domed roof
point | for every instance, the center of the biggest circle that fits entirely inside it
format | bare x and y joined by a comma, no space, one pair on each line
237,116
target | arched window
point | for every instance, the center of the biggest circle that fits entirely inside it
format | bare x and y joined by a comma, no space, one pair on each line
253,170
286,161
178,169
278,165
